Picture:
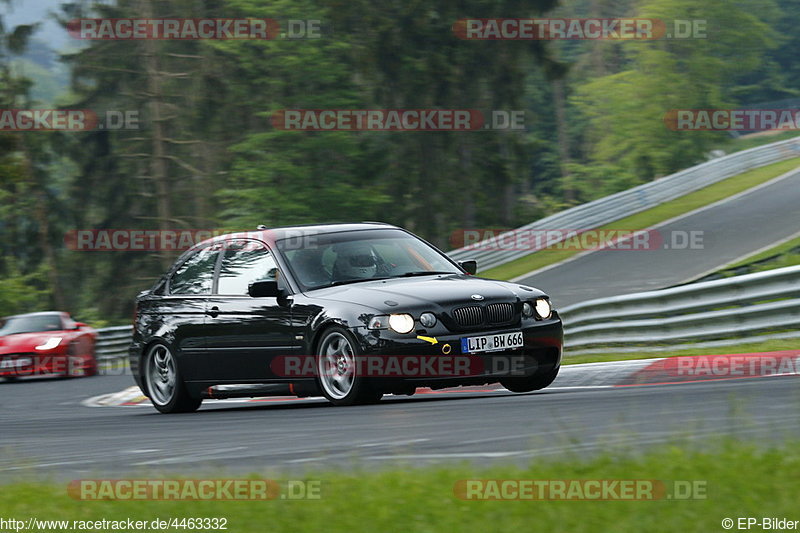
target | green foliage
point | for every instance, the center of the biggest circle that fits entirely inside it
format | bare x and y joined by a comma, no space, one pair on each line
205,155
734,479
22,293
626,109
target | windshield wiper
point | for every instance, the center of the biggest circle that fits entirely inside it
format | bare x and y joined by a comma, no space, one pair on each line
347,281
422,273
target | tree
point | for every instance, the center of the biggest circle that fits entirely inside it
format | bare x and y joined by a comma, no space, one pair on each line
626,109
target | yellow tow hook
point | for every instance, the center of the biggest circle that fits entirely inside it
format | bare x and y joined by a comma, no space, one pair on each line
445,347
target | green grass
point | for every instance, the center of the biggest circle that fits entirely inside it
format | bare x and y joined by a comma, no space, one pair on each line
739,481
650,217
787,256
774,345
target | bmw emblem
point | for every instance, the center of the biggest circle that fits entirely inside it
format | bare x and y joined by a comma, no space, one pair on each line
477,297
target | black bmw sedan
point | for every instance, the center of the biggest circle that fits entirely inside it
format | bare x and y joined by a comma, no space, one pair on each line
347,311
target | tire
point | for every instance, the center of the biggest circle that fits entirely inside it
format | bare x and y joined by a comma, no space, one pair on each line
165,387
530,383
336,370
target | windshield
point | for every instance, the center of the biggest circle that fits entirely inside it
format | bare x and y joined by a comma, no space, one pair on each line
30,324
354,256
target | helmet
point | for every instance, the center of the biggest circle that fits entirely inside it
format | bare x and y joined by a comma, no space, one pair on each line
355,261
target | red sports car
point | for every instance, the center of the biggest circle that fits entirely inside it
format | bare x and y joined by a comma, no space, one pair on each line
43,344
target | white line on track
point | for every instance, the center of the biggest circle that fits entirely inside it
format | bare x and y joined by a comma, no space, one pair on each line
224,452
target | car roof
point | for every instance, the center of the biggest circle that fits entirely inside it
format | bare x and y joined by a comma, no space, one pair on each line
283,232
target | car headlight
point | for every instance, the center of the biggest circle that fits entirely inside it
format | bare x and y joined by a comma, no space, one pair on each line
527,310
427,319
49,344
543,308
401,323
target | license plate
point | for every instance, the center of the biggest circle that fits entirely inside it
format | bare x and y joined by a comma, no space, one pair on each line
492,343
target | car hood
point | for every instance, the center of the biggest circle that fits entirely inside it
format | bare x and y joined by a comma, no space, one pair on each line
25,342
427,291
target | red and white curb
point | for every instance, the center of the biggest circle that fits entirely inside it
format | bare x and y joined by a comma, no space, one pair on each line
127,397
633,373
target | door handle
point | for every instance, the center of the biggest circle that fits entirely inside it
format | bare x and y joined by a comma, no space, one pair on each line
213,312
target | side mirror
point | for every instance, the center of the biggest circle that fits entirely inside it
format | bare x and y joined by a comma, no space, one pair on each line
79,325
264,288
471,266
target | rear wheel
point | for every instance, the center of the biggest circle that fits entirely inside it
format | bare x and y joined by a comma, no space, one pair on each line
530,383
337,370
164,384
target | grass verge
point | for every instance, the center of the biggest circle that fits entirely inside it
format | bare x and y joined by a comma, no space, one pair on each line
737,481
779,256
650,217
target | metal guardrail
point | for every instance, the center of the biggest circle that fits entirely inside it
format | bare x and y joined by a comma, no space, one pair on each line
112,343
622,204
754,304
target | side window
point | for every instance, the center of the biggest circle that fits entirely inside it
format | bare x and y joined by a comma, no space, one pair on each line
196,274
244,262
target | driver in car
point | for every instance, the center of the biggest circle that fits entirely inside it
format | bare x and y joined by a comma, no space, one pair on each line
357,261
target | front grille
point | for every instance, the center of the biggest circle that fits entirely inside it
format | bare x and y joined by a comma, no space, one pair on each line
500,313
468,316
475,315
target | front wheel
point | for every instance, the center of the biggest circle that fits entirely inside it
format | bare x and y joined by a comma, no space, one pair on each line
164,384
530,383
337,370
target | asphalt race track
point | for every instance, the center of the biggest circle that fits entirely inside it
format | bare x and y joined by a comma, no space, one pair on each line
48,432
730,229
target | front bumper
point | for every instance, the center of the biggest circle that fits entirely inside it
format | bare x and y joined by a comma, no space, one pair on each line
541,352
